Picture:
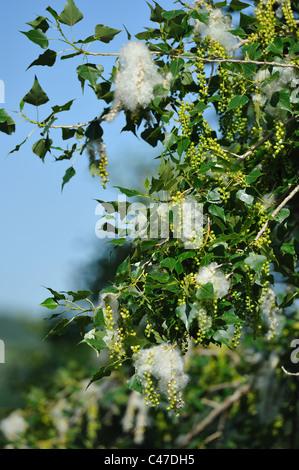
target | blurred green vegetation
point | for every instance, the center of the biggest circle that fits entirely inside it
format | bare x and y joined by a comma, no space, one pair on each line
239,399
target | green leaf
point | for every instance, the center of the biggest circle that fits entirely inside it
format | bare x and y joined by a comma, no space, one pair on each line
71,14
41,147
218,211
176,66
99,319
187,313
7,124
282,215
237,101
50,303
222,336
169,140
105,371
128,192
206,291
94,339
201,15
124,270
133,383
276,46
230,318
169,263
246,20
90,72
243,196
281,99
237,5
288,248
48,58
118,241
57,295
64,107
36,96
255,262
79,295
53,12
38,37
253,175
170,15
39,23
60,327
70,172
105,33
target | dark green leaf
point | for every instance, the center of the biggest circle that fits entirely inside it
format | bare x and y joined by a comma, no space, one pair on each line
60,327
124,270
133,383
41,147
39,23
201,15
128,192
36,96
237,101
48,58
237,5
105,371
281,99
206,291
99,319
255,262
70,172
38,37
169,263
71,14
222,336
64,107
276,46
230,318
246,20
90,72
253,175
176,66
105,33
57,295
282,215
187,313
79,295
243,196
7,124
53,13
218,211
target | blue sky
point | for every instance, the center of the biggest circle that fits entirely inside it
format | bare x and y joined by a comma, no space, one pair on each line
48,236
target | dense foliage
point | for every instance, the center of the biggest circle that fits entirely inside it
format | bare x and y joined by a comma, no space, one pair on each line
235,171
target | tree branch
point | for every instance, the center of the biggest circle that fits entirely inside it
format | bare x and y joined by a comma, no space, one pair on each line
274,213
202,59
264,139
243,390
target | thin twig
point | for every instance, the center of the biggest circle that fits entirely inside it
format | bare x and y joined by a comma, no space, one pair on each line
243,390
264,139
202,59
274,213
